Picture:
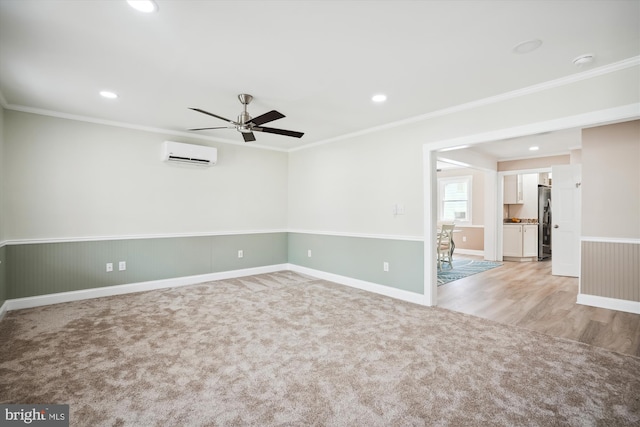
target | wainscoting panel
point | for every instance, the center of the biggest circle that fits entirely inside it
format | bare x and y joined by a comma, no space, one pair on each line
362,258
46,268
258,250
611,270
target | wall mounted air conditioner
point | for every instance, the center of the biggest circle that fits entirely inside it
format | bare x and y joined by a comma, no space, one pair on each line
188,153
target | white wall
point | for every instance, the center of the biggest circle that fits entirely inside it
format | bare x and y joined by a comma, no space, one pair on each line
350,185
69,179
353,185
611,195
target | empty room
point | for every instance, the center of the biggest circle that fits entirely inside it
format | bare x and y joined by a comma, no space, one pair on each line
288,213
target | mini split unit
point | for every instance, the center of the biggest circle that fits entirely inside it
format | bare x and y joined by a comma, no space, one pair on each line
188,153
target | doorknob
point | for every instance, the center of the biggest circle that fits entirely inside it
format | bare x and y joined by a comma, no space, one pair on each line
556,226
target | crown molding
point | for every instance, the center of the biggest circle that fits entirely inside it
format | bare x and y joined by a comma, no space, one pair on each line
584,120
574,78
57,114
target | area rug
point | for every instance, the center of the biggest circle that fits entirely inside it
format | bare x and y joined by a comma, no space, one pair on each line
283,349
463,268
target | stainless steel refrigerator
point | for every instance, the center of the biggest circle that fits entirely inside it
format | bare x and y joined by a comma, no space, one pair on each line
544,222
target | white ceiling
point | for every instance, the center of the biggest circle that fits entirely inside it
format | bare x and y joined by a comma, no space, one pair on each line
549,144
317,62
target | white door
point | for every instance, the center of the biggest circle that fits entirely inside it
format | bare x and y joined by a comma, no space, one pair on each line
566,205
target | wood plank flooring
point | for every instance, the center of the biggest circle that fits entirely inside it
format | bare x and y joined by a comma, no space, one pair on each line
525,294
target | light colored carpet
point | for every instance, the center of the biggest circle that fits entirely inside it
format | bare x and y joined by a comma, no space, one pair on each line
283,349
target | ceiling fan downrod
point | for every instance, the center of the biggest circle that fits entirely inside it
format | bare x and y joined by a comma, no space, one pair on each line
244,117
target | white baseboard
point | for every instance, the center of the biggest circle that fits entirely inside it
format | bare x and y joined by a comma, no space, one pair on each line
610,303
4,309
361,284
40,300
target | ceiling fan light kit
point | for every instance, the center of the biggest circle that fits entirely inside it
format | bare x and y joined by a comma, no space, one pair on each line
246,124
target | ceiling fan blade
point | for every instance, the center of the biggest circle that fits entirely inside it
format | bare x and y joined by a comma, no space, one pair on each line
280,131
219,127
212,115
248,136
266,117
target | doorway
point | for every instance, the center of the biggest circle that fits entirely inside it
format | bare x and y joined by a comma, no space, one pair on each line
431,152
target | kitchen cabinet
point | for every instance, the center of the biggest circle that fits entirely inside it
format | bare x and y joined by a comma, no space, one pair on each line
520,242
530,240
512,240
513,190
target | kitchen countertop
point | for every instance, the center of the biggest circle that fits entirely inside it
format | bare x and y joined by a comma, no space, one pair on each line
521,221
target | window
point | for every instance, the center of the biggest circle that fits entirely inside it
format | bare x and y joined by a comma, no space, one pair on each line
454,199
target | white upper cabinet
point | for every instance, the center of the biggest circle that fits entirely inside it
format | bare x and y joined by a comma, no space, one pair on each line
513,190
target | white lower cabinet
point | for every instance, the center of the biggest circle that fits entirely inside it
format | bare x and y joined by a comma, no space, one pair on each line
512,240
530,240
520,241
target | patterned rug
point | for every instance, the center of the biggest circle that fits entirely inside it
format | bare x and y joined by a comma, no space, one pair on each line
463,268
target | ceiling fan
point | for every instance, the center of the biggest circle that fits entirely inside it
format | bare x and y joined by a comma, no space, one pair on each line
246,125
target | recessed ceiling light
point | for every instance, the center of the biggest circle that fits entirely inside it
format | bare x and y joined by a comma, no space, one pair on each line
108,94
146,6
534,148
527,46
584,59
379,98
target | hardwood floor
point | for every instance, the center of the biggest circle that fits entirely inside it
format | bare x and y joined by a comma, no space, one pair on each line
525,294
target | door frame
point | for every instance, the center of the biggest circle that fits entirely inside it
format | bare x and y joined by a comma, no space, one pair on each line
500,204
430,152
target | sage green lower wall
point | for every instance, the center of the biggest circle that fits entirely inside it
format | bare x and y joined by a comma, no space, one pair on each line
362,258
46,268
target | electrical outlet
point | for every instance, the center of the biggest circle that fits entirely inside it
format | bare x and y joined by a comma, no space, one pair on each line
464,238
240,253
109,267
122,265
309,253
385,266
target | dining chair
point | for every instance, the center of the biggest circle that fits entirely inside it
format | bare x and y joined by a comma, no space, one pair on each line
444,245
